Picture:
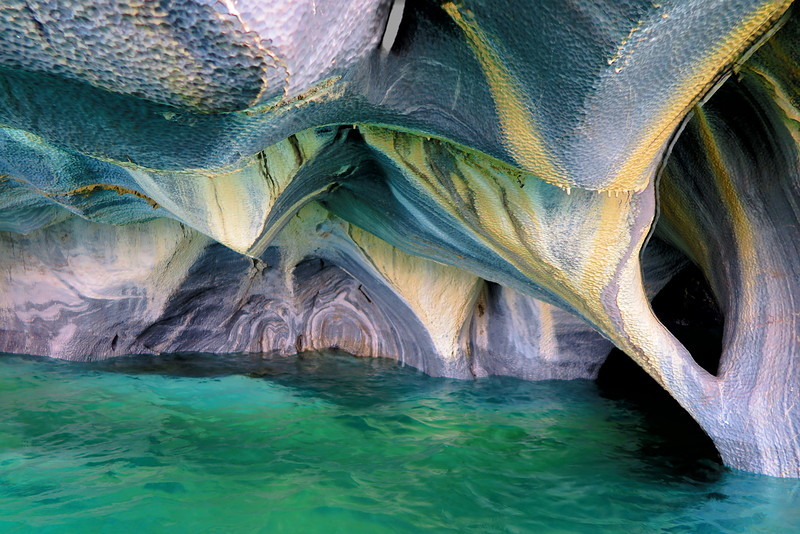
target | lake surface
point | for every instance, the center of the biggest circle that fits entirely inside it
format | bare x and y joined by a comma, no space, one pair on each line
330,443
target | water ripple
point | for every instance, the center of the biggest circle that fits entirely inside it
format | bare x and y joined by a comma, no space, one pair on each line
329,443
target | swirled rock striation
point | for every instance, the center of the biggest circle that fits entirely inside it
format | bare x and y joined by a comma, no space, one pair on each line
502,191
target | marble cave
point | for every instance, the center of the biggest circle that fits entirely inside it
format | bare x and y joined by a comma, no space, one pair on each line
475,188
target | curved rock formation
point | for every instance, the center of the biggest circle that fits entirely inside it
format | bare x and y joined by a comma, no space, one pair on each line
482,198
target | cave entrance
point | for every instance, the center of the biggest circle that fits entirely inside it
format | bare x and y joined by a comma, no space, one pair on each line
688,308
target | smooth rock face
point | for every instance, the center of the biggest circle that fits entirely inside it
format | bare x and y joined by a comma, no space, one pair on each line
481,199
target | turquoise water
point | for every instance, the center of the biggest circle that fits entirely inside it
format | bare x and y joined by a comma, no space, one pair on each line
329,443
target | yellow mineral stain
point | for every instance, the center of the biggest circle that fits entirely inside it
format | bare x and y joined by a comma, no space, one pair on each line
503,217
237,203
83,190
783,99
635,171
256,248
548,341
219,208
441,296
605,247
740,222
326,89
88,189
676,209
621,48
521,135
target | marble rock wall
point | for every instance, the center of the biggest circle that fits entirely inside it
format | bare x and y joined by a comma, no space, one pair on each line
500,191
83,291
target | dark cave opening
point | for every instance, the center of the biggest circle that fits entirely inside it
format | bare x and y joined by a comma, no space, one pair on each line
687,307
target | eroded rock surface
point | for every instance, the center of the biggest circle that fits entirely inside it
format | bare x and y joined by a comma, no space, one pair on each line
502,192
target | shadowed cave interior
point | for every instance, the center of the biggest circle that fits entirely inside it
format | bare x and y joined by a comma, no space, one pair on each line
687,307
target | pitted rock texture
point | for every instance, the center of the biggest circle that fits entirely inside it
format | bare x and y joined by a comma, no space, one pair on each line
502,192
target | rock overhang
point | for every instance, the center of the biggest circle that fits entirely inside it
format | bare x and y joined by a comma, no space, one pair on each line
502,157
